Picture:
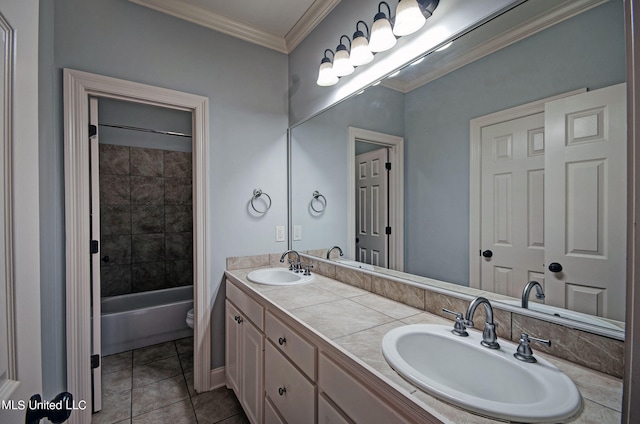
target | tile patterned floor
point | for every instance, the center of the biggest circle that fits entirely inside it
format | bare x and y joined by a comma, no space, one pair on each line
155,385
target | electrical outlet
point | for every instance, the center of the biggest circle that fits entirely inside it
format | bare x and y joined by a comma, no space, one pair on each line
280,233
297,232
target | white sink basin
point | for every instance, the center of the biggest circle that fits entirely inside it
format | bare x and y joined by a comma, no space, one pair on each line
356,264
279,277
565,313
490,382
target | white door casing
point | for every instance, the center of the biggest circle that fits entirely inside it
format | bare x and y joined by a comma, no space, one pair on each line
20,327
513,205
78,87
371,207
96,349
396,192
585,211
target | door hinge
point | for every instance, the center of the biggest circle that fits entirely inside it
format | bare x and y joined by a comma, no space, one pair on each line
94,246
387,166
93,131
95,361
387,230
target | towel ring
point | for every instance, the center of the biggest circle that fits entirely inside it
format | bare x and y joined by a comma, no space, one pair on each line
316,197
257,193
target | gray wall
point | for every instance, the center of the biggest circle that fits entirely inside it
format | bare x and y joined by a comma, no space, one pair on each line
247,90
319,162
586,51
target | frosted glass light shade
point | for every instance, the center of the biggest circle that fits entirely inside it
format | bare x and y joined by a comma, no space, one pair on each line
382,37
341,64
409,18
360,53
326,75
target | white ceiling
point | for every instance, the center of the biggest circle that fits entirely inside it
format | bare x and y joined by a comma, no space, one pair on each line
277,24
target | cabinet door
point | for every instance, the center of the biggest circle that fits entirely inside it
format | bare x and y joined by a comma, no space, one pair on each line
252,382
232,347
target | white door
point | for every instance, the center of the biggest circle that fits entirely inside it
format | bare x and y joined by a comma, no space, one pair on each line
20,340
371,208
96,350
512,224
585,211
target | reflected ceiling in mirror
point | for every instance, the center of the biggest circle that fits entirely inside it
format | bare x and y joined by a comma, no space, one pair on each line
520,57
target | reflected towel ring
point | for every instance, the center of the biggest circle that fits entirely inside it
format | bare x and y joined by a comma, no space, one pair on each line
317,196
257,193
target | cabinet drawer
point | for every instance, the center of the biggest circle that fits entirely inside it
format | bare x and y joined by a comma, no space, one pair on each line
294,346
328,414
270,414
353,398
249,307
289,391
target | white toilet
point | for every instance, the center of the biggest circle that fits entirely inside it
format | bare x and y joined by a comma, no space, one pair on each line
190,318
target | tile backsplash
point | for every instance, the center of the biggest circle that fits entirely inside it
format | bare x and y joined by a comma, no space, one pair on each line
146,219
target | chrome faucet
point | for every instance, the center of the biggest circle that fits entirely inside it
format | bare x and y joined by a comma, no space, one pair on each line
293,265
489,338
527,290
331,250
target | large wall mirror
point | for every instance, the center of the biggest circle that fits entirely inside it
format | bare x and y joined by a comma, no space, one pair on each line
423,121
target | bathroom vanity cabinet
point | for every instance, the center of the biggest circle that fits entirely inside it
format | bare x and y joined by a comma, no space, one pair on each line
284,372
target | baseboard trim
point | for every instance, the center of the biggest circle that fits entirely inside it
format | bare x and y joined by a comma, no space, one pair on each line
218,378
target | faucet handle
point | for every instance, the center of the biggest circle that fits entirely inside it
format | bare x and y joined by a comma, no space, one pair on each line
524,352
306,269
459,328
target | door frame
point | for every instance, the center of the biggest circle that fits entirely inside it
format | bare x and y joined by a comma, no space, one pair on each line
475,172
78,86
395,145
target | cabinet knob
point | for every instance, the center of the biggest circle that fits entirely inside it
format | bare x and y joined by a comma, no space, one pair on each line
282,340
282,391
238,319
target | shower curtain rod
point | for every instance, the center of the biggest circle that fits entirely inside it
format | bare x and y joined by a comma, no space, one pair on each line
126,127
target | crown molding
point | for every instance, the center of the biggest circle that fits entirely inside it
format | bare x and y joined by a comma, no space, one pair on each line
207,18
311,18
565,10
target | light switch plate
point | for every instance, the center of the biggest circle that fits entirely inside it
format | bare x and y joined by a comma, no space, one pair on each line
297,232
280,233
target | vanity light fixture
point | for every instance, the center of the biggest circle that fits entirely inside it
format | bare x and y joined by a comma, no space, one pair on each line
341,62
446,46
409,18
360,52
382,37
326,75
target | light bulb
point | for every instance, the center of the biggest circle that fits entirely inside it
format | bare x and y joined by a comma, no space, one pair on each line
409,18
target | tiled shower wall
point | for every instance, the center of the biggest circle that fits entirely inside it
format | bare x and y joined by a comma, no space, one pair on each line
146,219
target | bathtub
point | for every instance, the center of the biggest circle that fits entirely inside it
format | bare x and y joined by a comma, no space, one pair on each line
132,321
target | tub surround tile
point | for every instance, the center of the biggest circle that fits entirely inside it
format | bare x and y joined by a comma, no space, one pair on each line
154,353
117,248
148,276
147,219
147,190
340,317
243,262
147,247
157,394
179,273
177,164
115,279
115,219
115,189
153,372
178,245
178,191
595,352
178,218
409,295
114,160
146,162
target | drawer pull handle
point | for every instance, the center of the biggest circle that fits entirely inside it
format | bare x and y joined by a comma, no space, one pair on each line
282,391
238,319
282,340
